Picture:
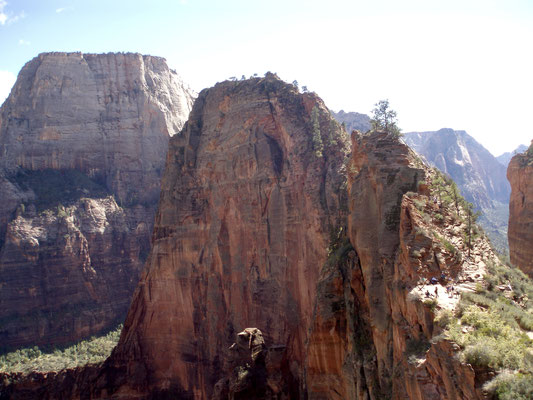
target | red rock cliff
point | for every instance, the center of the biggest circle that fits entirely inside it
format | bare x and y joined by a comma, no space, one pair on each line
372,336
250,192
520,175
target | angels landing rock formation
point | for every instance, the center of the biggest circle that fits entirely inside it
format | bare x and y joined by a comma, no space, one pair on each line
83,139
520,175
252,187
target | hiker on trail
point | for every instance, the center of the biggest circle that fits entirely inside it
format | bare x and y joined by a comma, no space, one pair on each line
436,291
433,280
427,293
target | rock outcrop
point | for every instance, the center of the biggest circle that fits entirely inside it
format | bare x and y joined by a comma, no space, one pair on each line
477,173
76,129
373,333
252,186
520,175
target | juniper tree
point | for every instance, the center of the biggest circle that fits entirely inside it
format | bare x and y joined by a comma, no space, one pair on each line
384,119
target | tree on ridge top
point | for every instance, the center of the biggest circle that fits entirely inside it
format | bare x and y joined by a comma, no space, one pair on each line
384,119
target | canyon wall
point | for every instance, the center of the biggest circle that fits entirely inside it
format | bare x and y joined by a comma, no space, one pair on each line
83,139
520,175
284,267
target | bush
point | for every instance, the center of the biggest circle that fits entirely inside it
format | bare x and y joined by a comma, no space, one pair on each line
94,350
511,386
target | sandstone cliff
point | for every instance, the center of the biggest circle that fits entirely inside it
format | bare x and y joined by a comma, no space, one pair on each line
374,333
252,186
520,175
76,129
344,264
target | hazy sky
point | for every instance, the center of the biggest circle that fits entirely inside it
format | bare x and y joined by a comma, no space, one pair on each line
464,64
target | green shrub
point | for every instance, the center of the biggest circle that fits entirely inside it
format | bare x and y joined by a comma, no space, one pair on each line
511,386
420,204
431,303
94,350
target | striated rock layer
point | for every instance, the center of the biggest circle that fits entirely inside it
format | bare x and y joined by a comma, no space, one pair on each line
520,175
76,129
108,115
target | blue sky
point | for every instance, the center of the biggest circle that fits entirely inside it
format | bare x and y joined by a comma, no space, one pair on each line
458,64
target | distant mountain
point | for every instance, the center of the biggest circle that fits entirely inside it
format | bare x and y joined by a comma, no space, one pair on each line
478,174
505,158
352,120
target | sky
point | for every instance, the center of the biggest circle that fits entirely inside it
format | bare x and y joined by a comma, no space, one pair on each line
466,65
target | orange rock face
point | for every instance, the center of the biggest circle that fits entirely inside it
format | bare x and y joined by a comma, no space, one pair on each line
242,231
520,175
371,336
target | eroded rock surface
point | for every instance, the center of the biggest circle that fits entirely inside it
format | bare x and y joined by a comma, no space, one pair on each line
76,129
372,335
520,175
248,199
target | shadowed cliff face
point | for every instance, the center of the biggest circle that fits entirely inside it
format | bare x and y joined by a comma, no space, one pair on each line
241,234
520,175
76,129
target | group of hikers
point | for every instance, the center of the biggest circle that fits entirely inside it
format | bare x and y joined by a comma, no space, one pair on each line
451,291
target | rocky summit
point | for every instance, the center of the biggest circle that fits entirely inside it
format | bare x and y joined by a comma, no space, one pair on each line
83,140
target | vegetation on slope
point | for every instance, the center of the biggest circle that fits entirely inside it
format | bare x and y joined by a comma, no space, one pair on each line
92,351
493,326
492,322
54,187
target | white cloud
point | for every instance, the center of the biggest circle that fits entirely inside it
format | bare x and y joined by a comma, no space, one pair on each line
63,9
23,42
3,15
12,20
5,18
7,80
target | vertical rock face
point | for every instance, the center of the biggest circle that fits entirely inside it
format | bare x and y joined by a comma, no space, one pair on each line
372,335
250,192
520,175
76,129
108,115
